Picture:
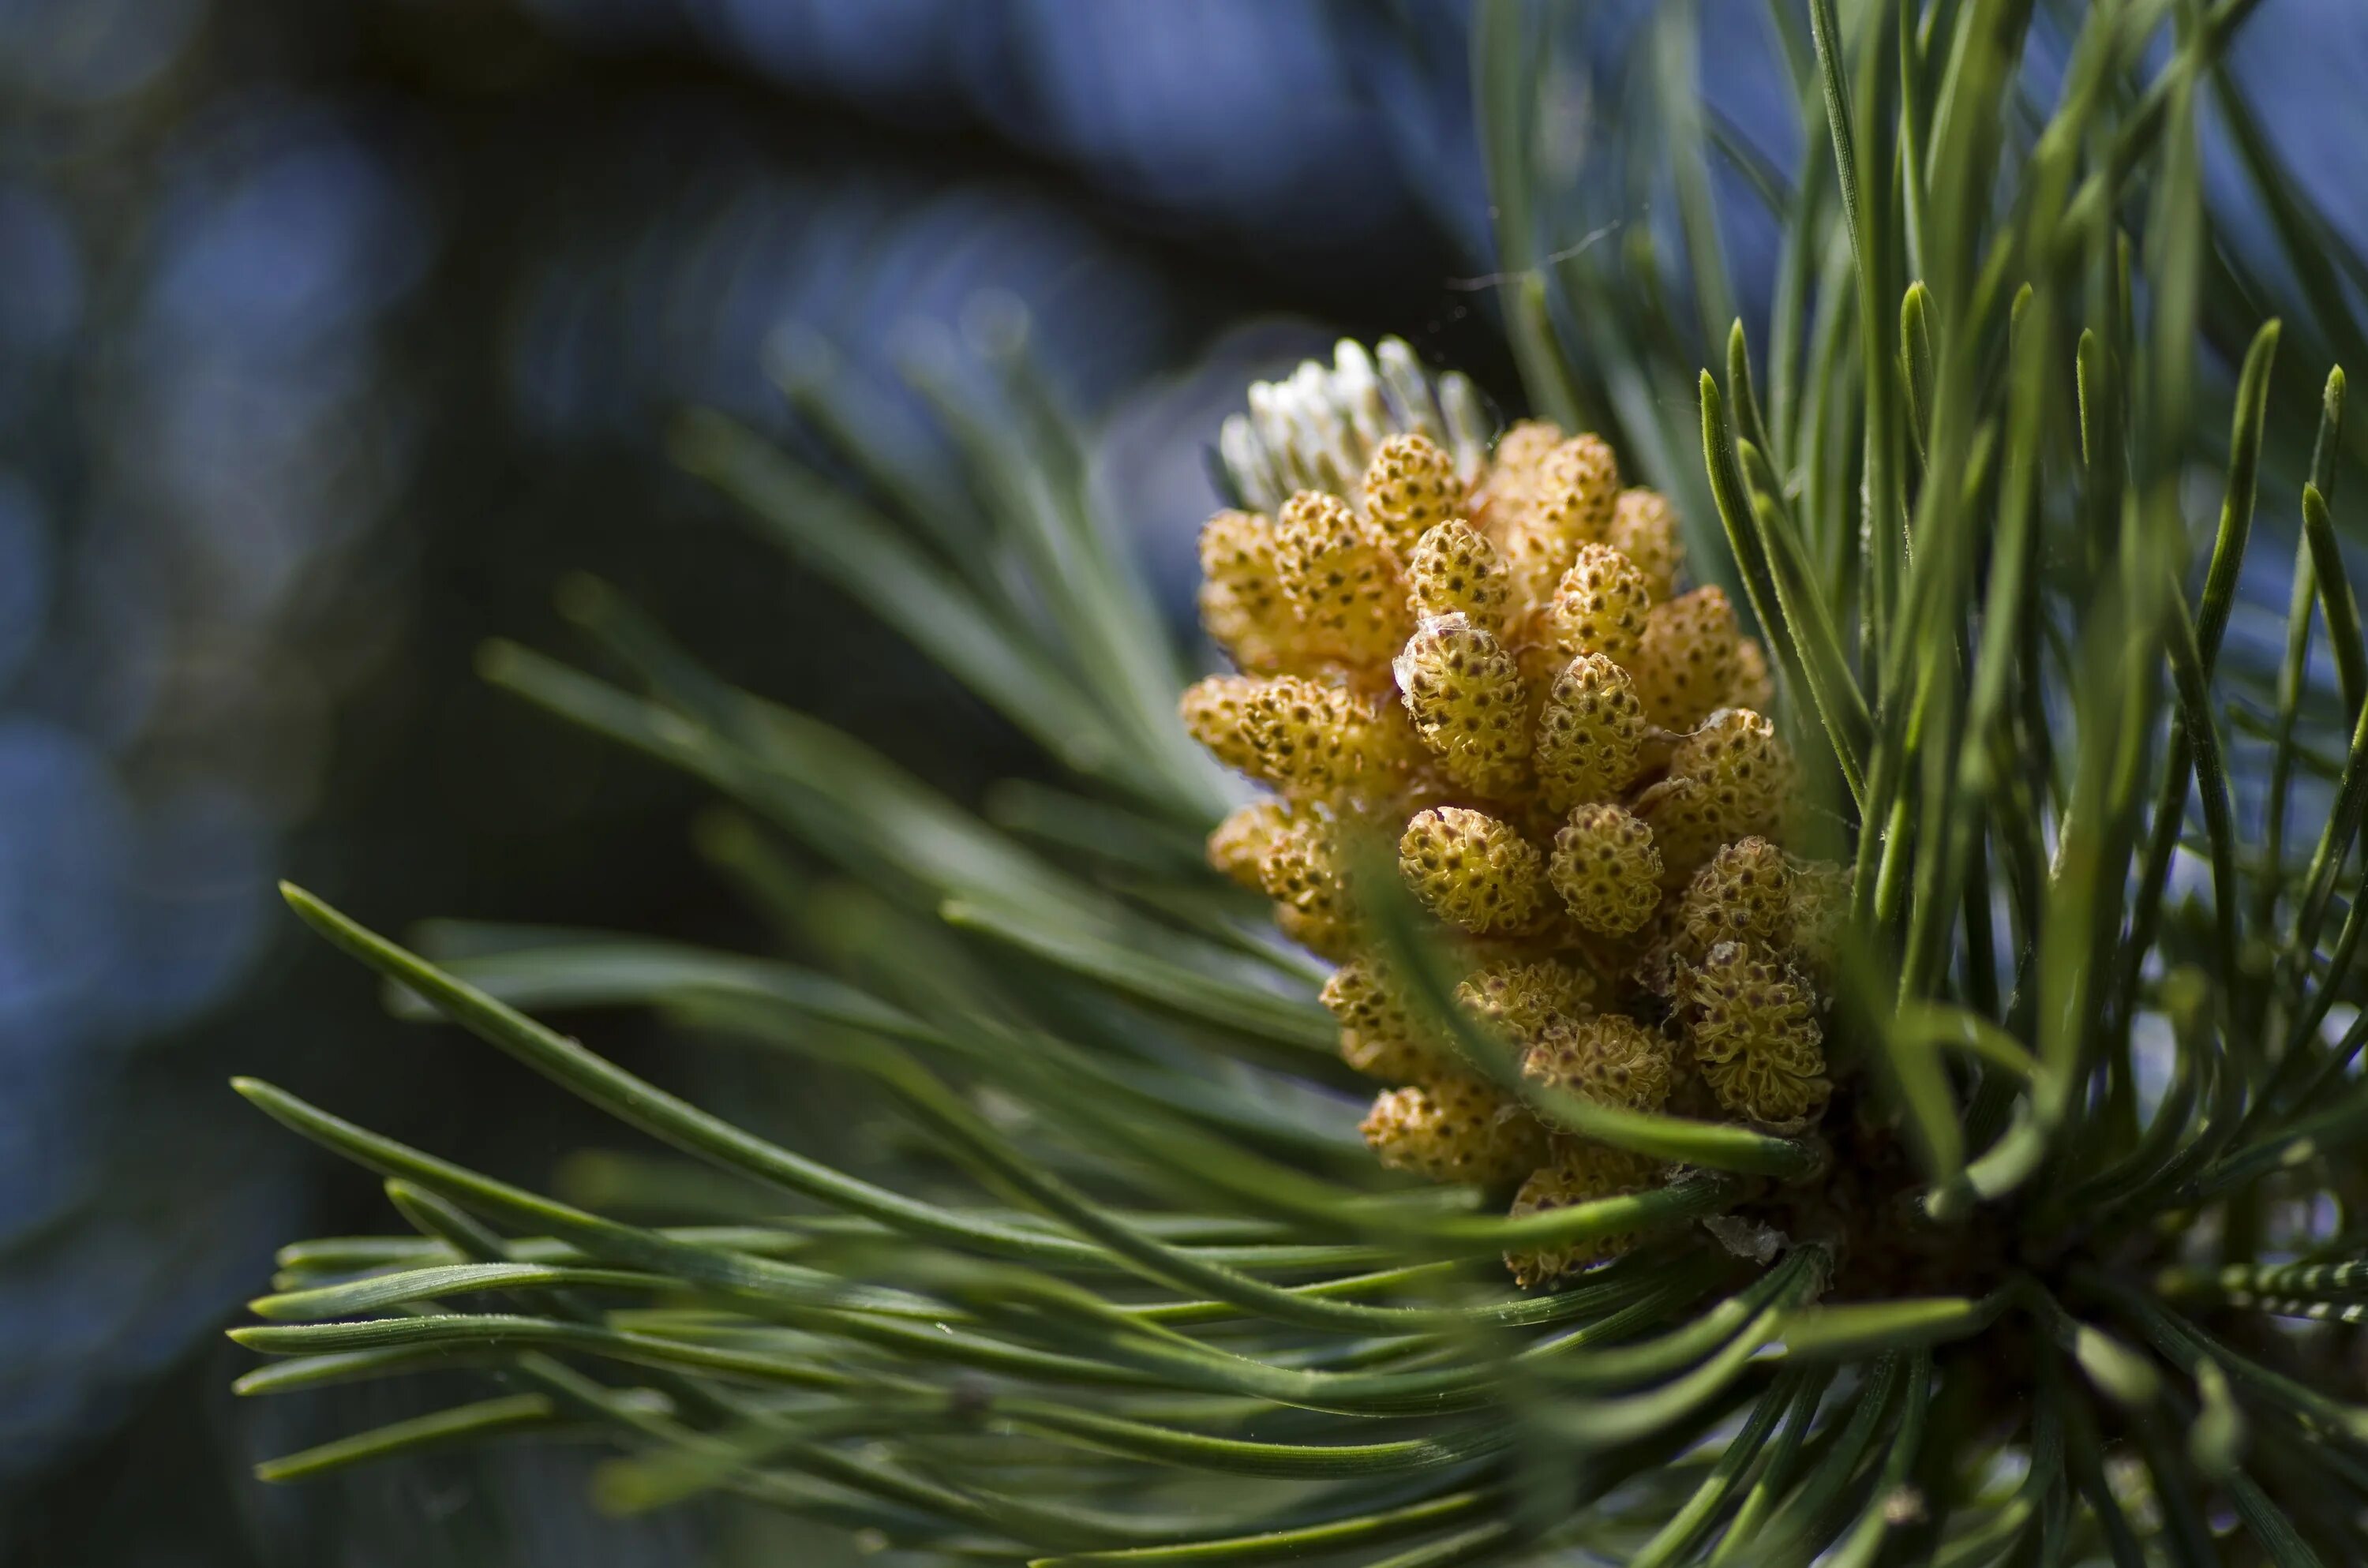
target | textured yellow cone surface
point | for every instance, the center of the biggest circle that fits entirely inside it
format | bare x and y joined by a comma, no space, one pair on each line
1742,894
1239,843
1337,576
1590,734
1644,528
1609,1058
1472,871
1302,870
1747,769
1687,826
1754,1035
1491,665
1468,703
1377,1037
1453,1130
1517,474
1303,736
1241,599
1752,686
1685,663
1572,495
1606,869
1519,999
1579,486
1580,1173
1213,710
1410,485
1821,894
1600,605
1455,571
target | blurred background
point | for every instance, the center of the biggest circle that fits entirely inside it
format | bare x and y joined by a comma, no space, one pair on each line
333,336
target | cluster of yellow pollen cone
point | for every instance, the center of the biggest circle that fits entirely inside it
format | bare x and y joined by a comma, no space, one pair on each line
1493,665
